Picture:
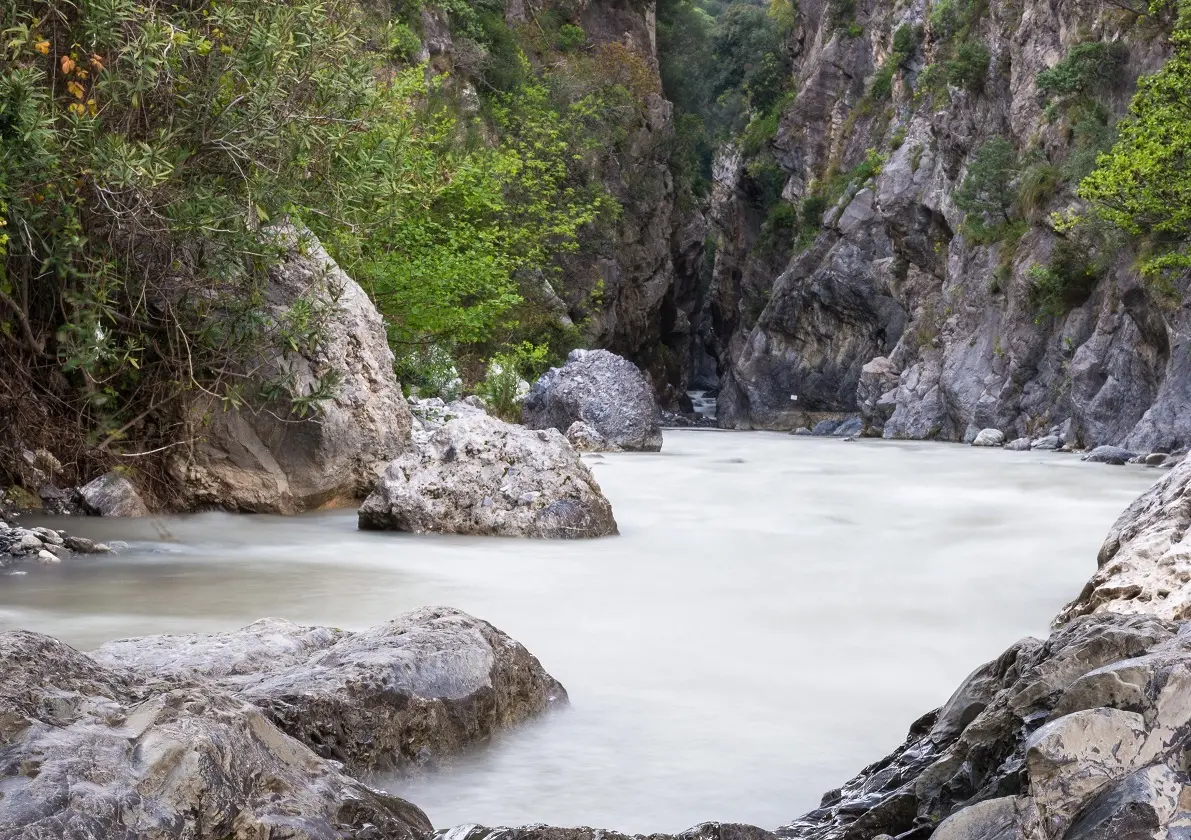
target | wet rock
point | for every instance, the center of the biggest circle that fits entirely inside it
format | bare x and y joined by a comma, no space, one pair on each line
92,752
271,461
442,486
989,437
586,439
48,558
849,428
604,391
1047,443
802,430
112,495
1109,455
825,427
424,686
704,831
1018,445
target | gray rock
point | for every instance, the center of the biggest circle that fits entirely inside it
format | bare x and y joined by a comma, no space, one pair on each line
442,486
80,544
48,536
91,752
48,558
268,461
1109,455
1155,459
604,391
586,439
1144,564
989,437
1049,442
704,831
424,686
825,427
802,430
849,428
112,495
1018,445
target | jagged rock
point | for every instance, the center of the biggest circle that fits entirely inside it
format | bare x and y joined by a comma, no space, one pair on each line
1144,564
479,475
825,427
586,439
1048,724
1047,443
90,752
1109,455
112,495
426,685
849,428
602,390
703,831
989,437
1018,445
269,461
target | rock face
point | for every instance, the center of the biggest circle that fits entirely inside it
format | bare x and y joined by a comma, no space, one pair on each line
266,461
703,831
1144,565
893,309
479,475
604,391
419,688
112,495
89,752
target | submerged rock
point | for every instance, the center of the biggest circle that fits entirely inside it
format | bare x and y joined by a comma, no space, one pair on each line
479,475
112,495
604,391
91,752
411,691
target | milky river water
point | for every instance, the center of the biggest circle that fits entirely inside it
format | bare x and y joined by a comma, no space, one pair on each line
774,615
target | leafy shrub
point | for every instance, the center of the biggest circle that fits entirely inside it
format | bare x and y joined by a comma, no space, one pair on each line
813,208
882,83
906,40
502,387
1092,134
571,37
759,131
1087,68
987,193
1038,184
1066,282
968,69
780,227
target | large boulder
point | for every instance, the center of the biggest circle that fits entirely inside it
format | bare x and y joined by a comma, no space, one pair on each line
421,687
703,831
1144,565
479,475
604,391
271,460
92,752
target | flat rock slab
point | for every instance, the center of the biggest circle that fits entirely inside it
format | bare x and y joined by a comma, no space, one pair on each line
91,752
479,475
424,686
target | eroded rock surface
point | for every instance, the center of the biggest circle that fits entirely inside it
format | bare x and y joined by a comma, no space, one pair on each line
419,688
703,831
604,391
479,475
92,752
112,495
270,460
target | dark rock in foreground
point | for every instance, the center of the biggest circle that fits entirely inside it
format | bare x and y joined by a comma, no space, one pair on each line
90,752
479,475
704,831
1075,738
418,688
604,391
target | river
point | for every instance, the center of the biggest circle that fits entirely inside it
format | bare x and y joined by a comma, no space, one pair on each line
775,613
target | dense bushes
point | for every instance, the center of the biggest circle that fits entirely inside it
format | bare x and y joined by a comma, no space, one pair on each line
1087,68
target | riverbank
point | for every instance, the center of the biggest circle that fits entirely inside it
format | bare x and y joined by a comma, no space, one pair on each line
722,654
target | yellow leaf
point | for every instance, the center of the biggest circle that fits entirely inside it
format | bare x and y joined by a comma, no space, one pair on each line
42,47
97,62
76,90
78,108
67,65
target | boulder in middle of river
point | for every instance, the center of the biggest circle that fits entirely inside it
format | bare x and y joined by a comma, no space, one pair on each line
604,391
480,475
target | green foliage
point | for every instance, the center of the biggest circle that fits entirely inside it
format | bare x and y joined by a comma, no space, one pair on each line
987,192
501,387
1143,185
968,68
784,14
571,37
1088,68
906,40
955,19
1037,185
1092,134
842,14
1066,282
759,131
781,226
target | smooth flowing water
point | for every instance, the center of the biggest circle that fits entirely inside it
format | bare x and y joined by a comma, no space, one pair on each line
775,613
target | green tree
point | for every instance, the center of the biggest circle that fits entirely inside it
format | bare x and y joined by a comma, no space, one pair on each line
987,190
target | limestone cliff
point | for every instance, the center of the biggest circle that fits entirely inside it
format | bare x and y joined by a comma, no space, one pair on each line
889,305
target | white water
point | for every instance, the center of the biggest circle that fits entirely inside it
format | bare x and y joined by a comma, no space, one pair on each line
775,613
